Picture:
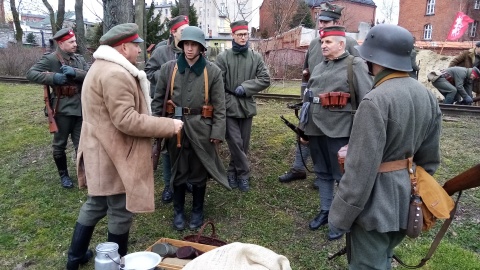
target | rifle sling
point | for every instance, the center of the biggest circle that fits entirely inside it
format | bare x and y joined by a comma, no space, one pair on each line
436,241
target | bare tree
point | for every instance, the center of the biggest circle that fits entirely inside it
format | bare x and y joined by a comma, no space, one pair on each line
281,13
2,12
141,19
389,9
184,6
117,12
238,11
57,23
16,21
80,28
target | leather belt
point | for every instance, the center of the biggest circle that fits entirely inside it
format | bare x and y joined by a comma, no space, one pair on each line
396,165
189,111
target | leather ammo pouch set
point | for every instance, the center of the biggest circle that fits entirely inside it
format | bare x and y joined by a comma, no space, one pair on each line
65,90
207,109
334,99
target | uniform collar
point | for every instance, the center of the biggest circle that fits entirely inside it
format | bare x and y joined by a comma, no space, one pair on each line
388,74
343,55
64,54
197,68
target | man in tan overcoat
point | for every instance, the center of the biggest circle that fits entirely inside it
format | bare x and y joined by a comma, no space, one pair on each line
115,146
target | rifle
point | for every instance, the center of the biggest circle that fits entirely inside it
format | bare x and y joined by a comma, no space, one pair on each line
52,125
295,129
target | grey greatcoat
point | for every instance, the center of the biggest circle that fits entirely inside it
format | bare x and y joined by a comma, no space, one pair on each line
314,54
248,71
398,119
188,91
331,76
160,56
461,79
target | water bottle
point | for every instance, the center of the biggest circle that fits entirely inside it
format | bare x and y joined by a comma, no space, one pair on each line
107,257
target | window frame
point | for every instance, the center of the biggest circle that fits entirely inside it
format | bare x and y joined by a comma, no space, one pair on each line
430,7
427,31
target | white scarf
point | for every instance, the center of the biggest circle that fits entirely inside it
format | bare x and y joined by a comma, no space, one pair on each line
108,53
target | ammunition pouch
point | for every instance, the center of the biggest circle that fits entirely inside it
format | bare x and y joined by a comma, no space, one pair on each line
206,111
65,90
334,99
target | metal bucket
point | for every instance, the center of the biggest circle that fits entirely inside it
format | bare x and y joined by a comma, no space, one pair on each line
107,257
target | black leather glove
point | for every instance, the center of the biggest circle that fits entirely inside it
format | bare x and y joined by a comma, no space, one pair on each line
59,79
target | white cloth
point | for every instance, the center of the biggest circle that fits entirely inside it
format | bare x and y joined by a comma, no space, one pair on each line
239,256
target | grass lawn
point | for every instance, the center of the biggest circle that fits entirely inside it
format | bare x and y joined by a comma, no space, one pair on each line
37,215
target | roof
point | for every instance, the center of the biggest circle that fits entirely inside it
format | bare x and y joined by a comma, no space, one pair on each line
316,3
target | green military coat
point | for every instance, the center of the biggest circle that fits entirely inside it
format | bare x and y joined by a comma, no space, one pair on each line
160,56
188,91
42,72
245,69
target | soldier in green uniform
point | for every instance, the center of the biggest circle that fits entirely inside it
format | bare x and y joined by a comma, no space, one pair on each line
64,71
244,74
197,90
160,56
329,16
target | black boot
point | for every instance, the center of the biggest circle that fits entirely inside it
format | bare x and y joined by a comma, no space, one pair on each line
121,240
320,220
79,253
61,162
196,220
178,207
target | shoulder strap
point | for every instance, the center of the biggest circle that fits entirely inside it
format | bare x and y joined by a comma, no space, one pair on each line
172,79
351,85
169,85
205,77
60,58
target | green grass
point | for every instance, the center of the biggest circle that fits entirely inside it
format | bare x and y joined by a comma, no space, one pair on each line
37,215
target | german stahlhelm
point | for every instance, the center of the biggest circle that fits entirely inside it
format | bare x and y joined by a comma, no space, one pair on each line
389,46
193,33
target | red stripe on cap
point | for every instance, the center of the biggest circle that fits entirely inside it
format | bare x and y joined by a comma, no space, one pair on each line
240,27
177,25
331,33
67,36
126,40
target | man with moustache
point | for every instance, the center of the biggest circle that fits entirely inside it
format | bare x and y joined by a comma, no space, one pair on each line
329,16
64,71
244,74
327,122
194,90
160,56
115,146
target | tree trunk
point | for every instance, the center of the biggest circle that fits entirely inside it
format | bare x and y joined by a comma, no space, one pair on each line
2,12
116,12
140,19
60,14
16,21
51,14
184,7
80,27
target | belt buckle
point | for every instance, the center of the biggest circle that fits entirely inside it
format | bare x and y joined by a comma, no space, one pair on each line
186,110
316,100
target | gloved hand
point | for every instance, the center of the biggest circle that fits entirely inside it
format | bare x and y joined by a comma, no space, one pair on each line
468,100
67,70
59,79
239,91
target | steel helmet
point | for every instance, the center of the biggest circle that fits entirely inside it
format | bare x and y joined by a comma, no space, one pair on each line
389,46
193,33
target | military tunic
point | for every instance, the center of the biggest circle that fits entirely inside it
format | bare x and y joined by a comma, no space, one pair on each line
160,56
68,111
248,70
188,92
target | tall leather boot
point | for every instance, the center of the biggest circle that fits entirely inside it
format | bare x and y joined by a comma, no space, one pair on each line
61,162
78,253
196,220
121,240
178,207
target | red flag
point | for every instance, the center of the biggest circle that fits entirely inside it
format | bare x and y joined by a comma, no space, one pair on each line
459,26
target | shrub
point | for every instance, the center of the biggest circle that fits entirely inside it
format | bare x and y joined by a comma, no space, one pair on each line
17,60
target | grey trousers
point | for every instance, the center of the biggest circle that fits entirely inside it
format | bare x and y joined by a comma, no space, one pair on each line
372,250
238,140
97,207
67,126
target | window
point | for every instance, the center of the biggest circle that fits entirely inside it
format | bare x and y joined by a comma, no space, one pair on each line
427,32
473,29
430,7
223,8
477,4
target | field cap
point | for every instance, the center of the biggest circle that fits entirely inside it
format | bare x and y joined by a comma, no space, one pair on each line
178,21
330,12
119,34
239,25
336,30
64,34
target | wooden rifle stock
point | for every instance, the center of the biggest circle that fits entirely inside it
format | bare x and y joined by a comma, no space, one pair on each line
52,125
466,180
157,145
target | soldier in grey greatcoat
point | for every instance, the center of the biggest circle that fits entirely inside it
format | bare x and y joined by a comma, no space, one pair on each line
398,119
456,82
469,59
327,123
329,16
194,155
160,56
64,71
244,74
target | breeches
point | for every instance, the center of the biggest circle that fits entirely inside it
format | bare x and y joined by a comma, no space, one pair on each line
67,126
97,207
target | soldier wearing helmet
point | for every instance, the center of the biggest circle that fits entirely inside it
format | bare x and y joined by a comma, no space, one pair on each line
193,87
398,119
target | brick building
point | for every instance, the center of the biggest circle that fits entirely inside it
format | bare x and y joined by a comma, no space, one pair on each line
275,16
431,20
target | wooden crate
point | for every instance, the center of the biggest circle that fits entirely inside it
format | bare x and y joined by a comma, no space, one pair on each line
174,263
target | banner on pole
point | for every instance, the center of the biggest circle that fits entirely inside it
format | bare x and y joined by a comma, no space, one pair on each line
459,26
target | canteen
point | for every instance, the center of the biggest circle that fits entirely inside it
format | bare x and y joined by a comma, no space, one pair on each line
107,257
